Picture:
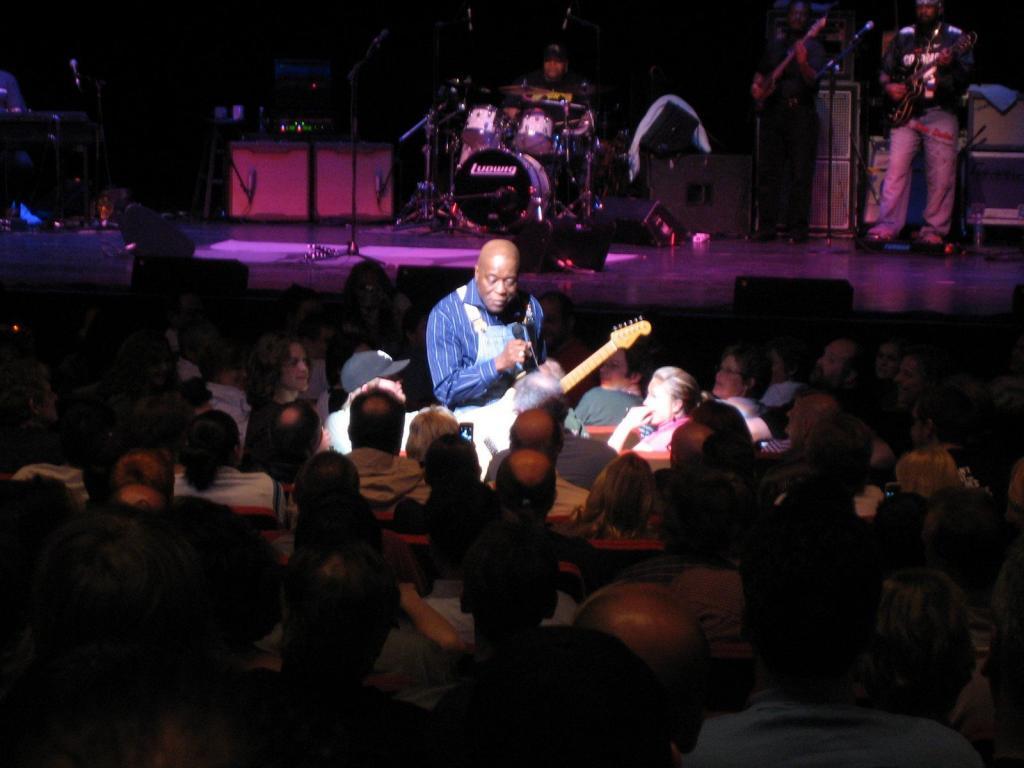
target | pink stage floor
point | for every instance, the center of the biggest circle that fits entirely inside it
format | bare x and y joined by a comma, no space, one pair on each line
684,278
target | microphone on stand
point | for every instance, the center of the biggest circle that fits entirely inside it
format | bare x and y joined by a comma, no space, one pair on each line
568,13
863,31
469,16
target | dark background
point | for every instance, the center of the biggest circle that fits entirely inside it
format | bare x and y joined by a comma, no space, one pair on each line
167,66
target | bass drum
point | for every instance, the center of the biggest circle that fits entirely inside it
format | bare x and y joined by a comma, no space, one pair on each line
496,189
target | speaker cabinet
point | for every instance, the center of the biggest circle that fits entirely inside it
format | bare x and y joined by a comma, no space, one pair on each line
995,187
207,277
787,296
269,181
333,185
638,221
995,131
705,193
145,233
562,244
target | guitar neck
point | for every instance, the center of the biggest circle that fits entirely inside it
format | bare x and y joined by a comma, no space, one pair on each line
588,366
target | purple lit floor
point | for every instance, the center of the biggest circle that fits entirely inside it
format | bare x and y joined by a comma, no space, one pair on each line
973,282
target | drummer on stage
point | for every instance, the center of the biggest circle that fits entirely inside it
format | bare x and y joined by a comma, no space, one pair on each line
484,334
554,78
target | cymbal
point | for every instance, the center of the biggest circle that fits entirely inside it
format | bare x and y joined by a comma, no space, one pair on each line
562,93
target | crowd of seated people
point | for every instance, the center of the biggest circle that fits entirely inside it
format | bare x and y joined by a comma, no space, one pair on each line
776,562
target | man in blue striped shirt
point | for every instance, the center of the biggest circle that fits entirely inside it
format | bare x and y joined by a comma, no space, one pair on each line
483,335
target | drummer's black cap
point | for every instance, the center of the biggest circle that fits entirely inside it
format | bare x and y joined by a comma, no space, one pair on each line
555,51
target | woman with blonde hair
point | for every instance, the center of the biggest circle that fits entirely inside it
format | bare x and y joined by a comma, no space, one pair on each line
671,395
926,470
621,502
426,426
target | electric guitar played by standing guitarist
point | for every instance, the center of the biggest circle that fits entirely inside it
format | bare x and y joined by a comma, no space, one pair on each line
925,71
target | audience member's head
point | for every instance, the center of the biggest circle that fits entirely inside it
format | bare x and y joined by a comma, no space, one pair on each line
377,420
144,365
118,576
278,370
211,443
729,452
425,427
840,448
887,358
455,520
534,389
221,362
566,696
788,357
128,705
152,468
656,626
964,537
839,366
340,604
721,417
158,421
744,371
708,514
26,398
943,414
526,485
925,471
334,519
1006,661
897,526
921,366
537,430
295,433
672,393
451,463
509,581
808,410
324,473
621,501
811,583
921,655
687,446
243,578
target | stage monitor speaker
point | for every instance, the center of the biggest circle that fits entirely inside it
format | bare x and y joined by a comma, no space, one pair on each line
671,133
207,277
564,244
640,222
424,286
793,297
333,186
146,233
268,181
992,130
705,193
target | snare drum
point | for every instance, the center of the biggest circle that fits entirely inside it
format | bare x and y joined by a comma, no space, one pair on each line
536,133
496,188
485,129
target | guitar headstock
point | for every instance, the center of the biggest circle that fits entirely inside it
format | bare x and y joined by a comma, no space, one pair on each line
965,42
625,334
817,26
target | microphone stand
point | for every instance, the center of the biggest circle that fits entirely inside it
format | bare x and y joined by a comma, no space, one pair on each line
353,78
101,144
588,196
830,70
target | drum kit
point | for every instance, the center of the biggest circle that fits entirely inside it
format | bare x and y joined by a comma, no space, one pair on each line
528,160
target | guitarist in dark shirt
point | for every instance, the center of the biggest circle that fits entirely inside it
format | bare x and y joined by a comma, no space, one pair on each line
789,125
925,70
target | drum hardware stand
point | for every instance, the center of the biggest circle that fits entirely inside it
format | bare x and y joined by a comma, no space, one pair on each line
353,78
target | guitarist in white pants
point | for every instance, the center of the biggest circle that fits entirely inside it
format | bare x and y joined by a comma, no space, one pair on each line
925,71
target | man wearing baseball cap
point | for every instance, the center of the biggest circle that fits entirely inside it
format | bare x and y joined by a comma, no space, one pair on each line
362,372
553,76
936,49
